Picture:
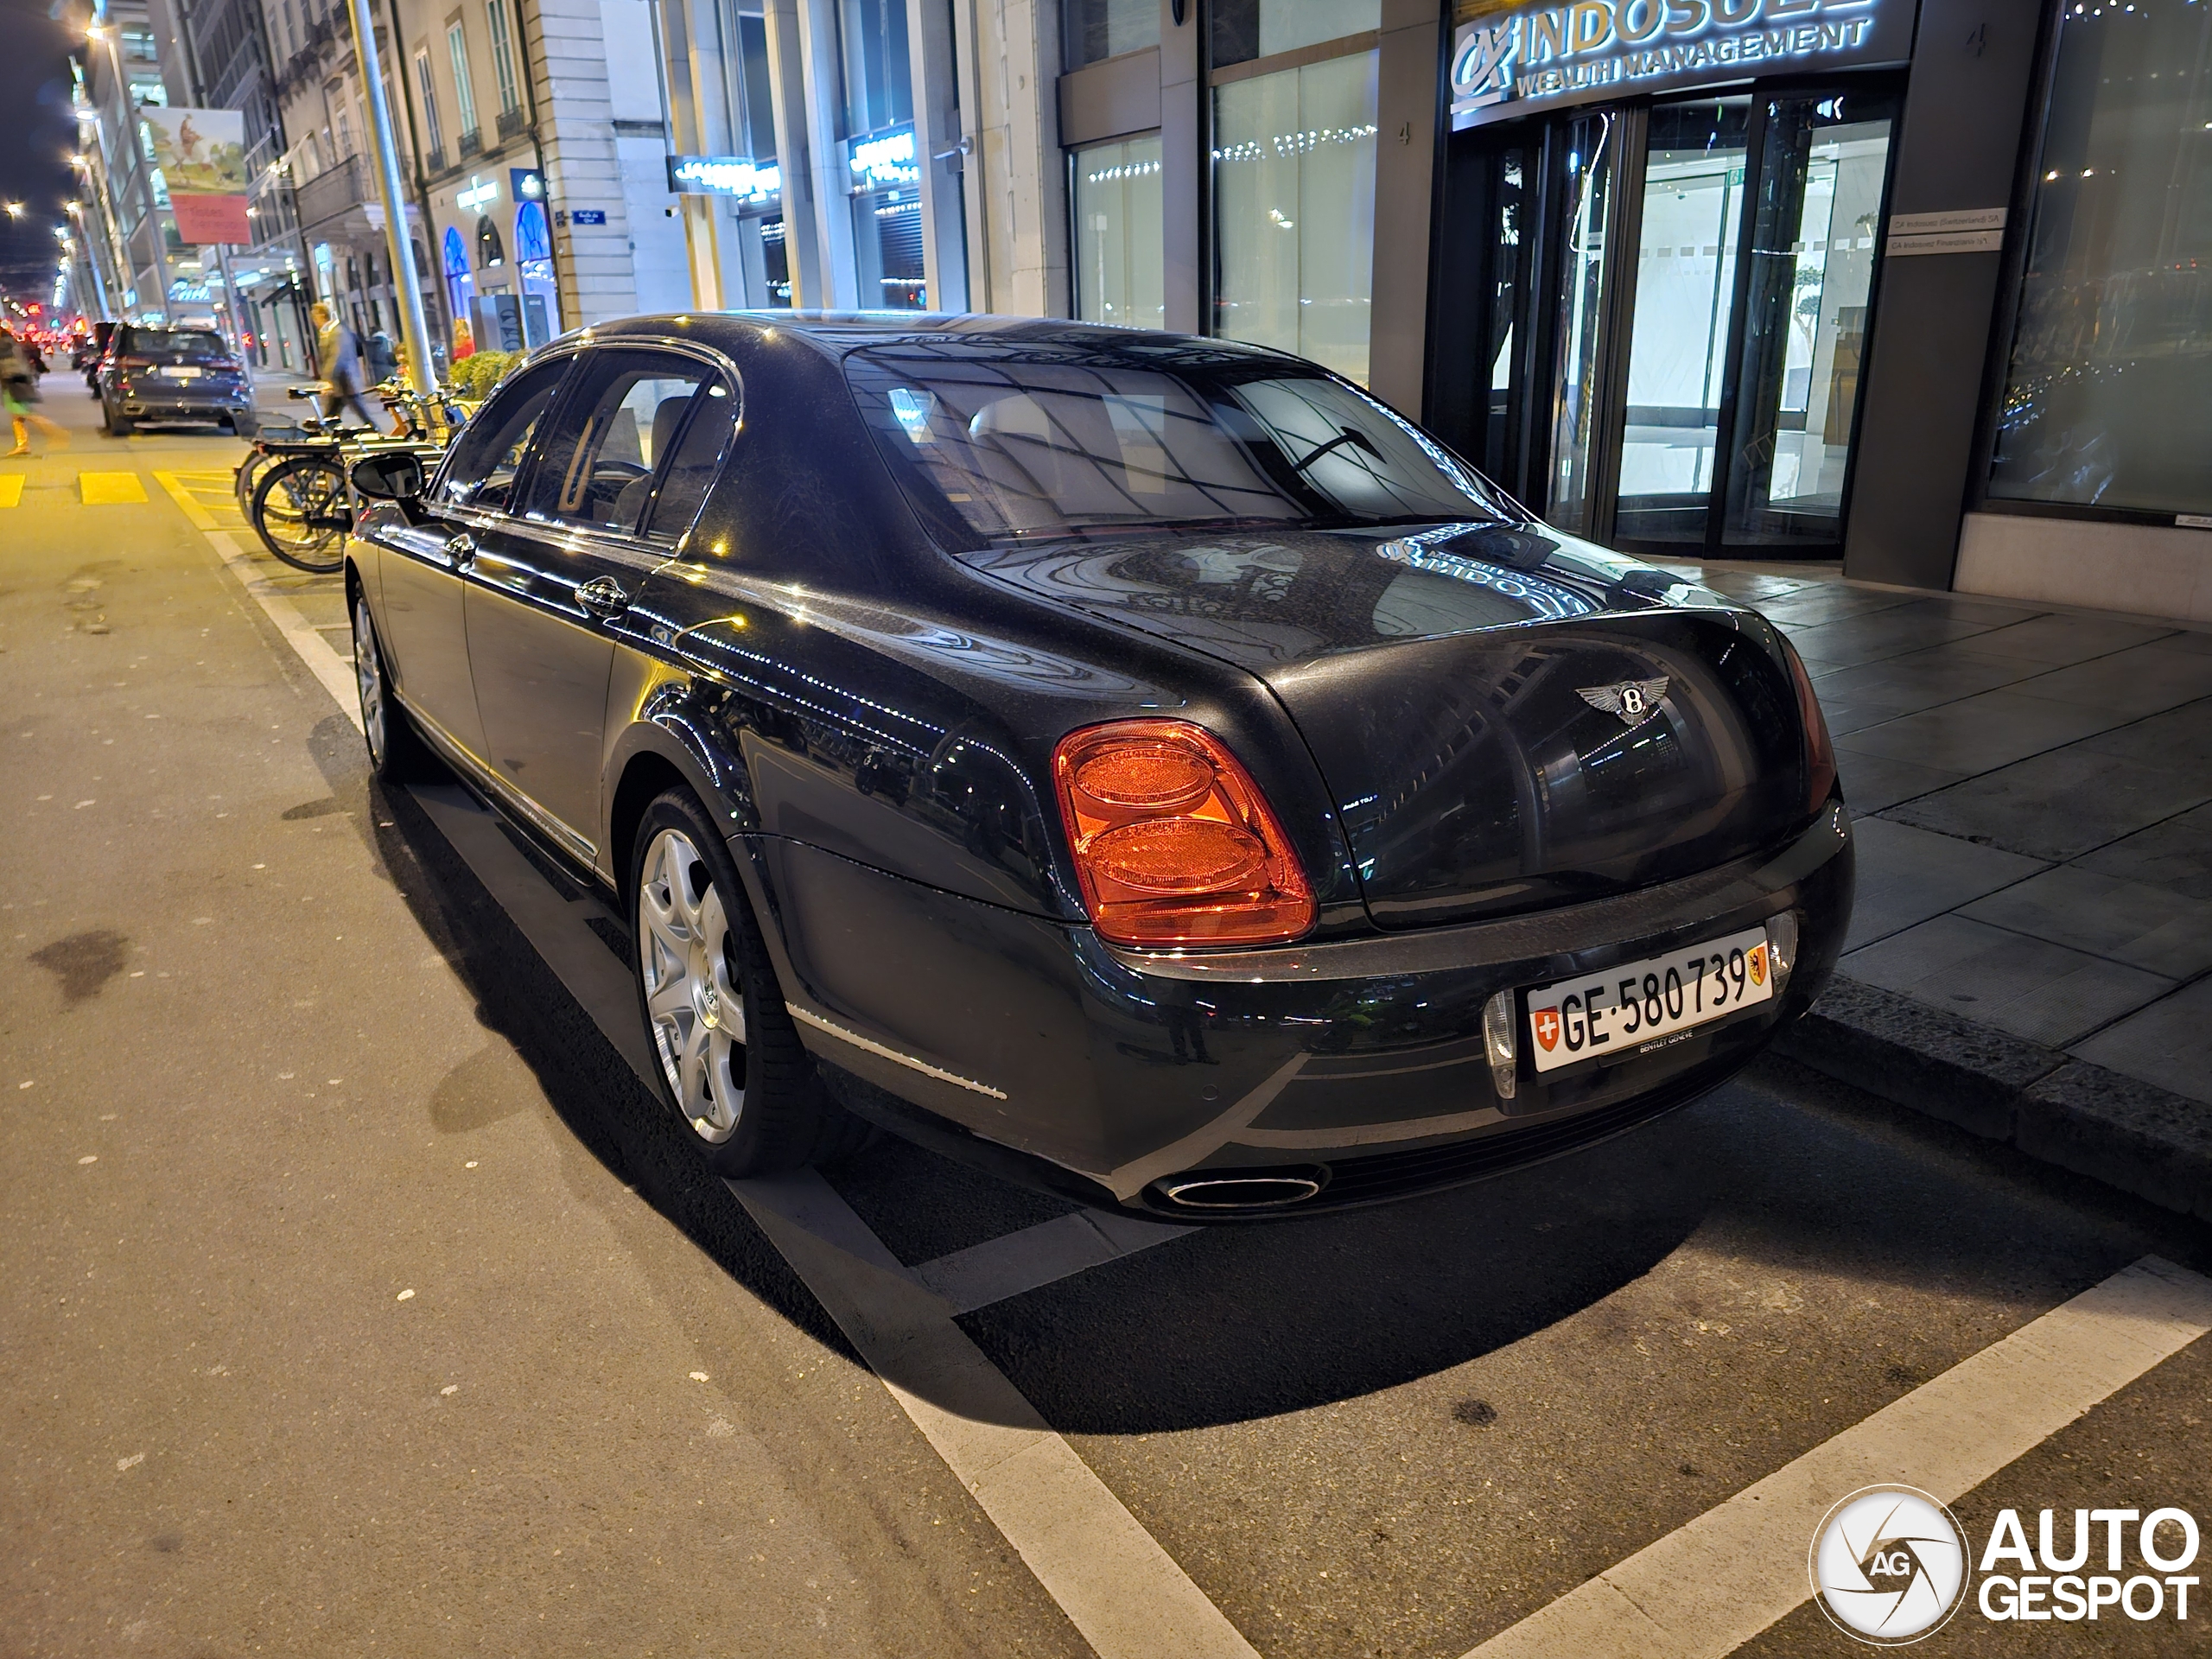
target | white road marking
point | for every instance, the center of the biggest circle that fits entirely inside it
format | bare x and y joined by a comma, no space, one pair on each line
335,672
1116,1584
1708,1587
1036,1256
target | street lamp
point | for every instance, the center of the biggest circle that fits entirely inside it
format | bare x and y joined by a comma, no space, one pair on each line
15,210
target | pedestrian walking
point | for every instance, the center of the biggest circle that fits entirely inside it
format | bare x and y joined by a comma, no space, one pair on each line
19,371
338,361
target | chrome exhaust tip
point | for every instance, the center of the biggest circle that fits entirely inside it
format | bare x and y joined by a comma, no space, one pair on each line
1269,1189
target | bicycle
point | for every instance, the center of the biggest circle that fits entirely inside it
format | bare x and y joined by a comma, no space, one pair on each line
294,490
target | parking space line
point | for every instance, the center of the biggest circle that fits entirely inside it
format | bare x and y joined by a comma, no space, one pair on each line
1119,1588
1708,1587
315,653
1036,1256
11,489
109,489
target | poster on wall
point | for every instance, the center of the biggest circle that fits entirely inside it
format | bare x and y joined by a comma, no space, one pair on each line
1513,59
201,154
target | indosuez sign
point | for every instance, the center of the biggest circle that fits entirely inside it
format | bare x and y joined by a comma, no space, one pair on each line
1518,60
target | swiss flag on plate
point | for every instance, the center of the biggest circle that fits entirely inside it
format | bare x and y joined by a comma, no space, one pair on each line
1545,1021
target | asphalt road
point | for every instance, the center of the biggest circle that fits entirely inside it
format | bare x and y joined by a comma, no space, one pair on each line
355,1300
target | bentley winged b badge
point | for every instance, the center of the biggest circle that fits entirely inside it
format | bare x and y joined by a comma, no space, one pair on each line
1633,701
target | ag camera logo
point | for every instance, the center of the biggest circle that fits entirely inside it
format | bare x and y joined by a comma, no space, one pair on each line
1889,1565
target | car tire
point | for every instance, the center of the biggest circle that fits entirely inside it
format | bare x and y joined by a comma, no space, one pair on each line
746,1089
115,425
396,753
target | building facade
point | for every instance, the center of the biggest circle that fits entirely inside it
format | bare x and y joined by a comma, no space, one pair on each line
1923,285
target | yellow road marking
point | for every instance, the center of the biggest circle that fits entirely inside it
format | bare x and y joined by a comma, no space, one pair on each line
11,488
109,489
181,493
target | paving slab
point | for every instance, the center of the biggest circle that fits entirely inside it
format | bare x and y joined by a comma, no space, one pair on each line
2141,680
1890,633
1921,679
2059,805
2169,1043
2033,988
2069,638
2156,929
1907,876
2176,855
1979,733
1872,782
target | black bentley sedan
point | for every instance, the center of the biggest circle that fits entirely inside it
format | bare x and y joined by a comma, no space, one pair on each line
1146,765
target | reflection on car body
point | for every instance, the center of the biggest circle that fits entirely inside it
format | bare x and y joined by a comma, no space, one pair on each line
1146,765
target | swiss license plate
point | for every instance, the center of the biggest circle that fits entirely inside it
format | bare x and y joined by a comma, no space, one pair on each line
1638,1005
180,374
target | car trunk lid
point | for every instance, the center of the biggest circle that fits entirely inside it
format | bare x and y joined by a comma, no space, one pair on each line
1506,718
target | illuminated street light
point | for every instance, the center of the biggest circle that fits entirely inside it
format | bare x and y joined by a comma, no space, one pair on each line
15,210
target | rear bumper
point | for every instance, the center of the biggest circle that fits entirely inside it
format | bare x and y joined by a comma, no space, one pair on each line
1356,1064
168,405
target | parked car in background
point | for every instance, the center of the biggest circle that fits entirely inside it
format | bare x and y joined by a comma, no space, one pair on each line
1147,765
164,374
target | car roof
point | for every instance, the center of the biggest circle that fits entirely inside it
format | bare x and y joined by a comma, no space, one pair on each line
840,333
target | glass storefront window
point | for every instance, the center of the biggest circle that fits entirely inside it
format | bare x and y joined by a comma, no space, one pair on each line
1119,270
1685,296
1106,29
1293,194
2109,397
1816,221
1245,29
879,83
1591,144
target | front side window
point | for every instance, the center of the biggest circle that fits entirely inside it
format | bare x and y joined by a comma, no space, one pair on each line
1293,191
1032,441
2106,401
600,456
1119,275
482,468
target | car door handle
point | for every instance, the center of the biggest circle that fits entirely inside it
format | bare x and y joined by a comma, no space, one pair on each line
603,597
461,550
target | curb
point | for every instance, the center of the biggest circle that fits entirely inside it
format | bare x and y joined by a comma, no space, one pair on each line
2129,1134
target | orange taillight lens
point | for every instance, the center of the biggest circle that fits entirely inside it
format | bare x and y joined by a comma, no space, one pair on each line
1173,842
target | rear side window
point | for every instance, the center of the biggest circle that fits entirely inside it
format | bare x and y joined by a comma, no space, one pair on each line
692,467
614,434
489,452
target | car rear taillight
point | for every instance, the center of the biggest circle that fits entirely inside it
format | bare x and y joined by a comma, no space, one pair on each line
1173,842
1820,752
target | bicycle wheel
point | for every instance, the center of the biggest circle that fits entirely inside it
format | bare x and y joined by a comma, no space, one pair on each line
301,512
250,473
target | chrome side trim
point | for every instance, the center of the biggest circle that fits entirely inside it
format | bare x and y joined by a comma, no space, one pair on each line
806,1016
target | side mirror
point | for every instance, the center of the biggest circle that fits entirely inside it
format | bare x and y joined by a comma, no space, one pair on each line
389,478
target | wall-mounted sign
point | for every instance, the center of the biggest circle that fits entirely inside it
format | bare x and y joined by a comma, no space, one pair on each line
200,155
589,216
887,159
481,194
724,175
526,183
1521,59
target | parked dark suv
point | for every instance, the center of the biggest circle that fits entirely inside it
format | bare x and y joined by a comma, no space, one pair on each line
172,374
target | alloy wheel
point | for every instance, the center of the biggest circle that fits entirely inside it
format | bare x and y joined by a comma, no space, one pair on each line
695,996
368,672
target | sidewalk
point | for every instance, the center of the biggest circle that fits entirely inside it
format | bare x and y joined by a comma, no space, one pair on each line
2031,791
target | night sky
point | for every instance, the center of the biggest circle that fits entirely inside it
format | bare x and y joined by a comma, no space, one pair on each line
37,132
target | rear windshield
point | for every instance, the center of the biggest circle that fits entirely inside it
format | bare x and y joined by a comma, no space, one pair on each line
174,344
1013,440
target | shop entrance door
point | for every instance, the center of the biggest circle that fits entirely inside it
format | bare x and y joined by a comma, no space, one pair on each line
1665,307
